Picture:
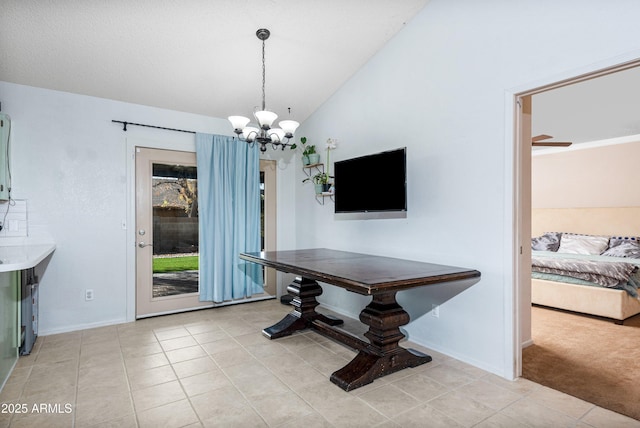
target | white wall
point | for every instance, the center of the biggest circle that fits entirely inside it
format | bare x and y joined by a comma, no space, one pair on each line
439,88
69,161
586,175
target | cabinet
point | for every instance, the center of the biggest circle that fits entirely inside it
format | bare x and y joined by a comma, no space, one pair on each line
9,322
5,134
18,260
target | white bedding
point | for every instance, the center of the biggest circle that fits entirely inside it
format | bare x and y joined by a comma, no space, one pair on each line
624,278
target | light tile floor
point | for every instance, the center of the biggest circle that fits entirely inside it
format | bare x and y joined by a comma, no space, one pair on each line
214,368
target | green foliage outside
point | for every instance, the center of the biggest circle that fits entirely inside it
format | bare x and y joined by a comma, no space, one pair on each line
175,264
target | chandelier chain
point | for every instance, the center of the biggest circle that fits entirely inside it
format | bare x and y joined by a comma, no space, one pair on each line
263,78
264,134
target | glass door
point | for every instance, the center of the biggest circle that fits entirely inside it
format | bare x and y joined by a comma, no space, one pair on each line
167,256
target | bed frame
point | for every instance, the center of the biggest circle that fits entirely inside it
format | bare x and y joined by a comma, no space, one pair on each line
602,302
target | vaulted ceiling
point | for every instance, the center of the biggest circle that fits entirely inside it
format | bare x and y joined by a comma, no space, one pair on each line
199,56
202,56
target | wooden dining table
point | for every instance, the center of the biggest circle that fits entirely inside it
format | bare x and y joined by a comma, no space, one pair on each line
369,275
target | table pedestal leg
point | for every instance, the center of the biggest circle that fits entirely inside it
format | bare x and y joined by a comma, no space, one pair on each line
304,292
383,355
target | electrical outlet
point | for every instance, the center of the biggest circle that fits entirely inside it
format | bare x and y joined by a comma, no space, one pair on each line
435,310
88,294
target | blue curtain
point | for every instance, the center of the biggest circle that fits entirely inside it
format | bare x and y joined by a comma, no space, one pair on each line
229,217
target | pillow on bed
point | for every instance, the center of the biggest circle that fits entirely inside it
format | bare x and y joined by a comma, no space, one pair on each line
623,247
583,244
550,241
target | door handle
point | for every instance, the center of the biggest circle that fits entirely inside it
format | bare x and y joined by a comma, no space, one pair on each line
141,244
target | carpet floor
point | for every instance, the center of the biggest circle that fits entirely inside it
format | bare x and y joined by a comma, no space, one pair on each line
586,357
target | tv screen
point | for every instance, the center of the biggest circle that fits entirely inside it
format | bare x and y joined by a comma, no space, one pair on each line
375,184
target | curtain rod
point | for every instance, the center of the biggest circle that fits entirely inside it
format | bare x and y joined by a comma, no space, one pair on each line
124,126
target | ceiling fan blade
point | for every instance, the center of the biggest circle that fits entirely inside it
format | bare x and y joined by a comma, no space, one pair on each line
541,137
552,144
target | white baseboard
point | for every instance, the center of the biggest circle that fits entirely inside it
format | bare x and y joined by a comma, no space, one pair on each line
527,343
76,327
426,344
87,326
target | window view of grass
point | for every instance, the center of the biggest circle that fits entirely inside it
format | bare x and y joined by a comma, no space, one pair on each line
174,264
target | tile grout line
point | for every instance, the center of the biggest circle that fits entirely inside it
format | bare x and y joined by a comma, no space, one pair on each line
75,401
234,384
176,374
195,412
126,373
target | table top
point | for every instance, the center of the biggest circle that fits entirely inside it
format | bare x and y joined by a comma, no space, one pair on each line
361,273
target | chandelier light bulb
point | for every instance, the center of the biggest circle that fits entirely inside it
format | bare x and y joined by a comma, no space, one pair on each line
289,127
276,135
265,118
250,133
238,123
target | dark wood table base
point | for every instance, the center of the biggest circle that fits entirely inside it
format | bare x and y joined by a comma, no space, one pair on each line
304,292
381,356
367,367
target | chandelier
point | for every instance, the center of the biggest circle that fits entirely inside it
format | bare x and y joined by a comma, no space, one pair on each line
264,134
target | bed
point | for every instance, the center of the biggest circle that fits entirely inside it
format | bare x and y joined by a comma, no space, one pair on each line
620,222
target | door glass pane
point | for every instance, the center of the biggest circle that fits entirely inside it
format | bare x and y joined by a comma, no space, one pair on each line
175,230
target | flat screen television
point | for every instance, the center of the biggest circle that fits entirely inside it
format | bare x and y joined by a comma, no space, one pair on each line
372,186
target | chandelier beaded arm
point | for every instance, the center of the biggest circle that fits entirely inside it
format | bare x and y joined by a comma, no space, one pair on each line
264,134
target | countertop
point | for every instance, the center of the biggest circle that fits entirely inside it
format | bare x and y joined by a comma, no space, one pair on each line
25,256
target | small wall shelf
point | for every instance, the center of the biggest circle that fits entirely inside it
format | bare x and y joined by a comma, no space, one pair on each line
321,196
309,172
307,169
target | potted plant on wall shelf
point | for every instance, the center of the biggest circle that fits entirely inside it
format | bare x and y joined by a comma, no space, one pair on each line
321,182
309,155
314,158
322,179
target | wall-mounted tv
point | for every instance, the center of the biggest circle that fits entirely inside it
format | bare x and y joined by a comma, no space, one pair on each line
372,186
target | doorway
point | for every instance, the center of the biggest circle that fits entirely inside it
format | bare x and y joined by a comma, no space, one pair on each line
166,232
522,200
268,220
167,257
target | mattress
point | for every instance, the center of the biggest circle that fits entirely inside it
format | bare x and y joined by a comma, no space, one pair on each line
599,301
